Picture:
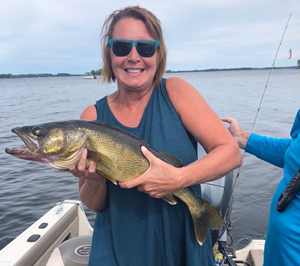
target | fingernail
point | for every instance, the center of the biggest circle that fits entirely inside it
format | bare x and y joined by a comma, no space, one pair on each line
143,148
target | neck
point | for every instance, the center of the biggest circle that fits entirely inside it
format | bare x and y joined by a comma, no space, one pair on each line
128,106
131,97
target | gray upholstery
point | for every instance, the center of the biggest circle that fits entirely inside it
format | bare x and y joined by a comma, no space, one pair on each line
76,251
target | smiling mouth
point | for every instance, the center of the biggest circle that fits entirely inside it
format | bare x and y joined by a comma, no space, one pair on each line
134,71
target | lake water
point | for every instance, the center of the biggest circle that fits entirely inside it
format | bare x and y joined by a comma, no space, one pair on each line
30,189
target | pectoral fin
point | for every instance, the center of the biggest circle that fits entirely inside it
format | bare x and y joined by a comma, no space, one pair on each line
111,179
170,199
101,159
104,165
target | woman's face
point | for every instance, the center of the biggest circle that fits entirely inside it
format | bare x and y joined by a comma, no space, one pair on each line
133,71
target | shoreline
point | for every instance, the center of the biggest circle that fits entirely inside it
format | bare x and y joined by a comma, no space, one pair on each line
231,69
46,75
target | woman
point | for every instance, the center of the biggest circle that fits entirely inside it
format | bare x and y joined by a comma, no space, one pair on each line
134,228
283,234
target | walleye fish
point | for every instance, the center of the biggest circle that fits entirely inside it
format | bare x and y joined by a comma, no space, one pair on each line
117,155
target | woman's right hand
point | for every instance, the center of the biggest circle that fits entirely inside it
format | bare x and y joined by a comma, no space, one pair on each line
92,186
80,170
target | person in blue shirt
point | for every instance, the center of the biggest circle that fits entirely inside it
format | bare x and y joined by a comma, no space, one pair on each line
282,246
134,226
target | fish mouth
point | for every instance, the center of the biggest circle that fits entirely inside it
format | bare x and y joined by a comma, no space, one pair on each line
27,151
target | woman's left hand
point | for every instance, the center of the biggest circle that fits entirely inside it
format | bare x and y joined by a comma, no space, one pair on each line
159,180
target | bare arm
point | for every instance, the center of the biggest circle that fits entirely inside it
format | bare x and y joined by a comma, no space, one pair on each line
93,193
202,122
223,154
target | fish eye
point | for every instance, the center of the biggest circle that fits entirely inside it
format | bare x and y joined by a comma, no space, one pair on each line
38,131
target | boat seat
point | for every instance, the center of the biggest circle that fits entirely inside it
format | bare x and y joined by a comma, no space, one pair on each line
257,257
73,252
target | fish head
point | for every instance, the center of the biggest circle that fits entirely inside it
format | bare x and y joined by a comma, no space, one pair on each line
55,144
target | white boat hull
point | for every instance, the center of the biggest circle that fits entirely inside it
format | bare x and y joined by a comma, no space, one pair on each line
66,236
64,221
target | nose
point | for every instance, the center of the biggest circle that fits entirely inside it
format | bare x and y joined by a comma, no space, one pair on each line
134,55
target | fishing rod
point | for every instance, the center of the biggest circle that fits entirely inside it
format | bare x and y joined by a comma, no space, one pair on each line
262,97
259,108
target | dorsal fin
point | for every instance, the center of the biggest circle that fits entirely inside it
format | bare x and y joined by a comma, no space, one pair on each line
104,163
172,159
170,199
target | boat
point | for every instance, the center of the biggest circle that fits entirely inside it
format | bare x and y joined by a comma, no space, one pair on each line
40,244
251,255
63,235
89,77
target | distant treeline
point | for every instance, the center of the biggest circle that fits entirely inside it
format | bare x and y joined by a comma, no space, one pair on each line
228,69
36,75
94,72
98,72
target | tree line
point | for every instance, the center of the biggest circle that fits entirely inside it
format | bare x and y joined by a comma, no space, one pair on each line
35,75
94,72
98,72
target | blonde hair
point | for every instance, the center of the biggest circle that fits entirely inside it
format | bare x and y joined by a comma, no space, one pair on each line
152,24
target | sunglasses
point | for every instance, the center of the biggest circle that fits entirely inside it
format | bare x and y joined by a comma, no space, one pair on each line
122,47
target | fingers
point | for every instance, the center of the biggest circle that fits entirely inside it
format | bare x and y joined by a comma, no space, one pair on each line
141,187
82,161
153,182
227,119
149,156
92,167
80,170
131,183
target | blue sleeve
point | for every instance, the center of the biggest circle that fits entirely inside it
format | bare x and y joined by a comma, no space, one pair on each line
271,150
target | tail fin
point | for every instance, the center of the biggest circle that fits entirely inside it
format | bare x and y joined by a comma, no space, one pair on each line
208,217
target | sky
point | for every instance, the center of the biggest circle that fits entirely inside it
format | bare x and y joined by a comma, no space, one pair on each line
63,36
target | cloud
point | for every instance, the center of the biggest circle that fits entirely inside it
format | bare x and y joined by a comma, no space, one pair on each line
64,36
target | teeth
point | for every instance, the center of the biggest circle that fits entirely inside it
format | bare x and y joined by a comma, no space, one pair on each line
134,70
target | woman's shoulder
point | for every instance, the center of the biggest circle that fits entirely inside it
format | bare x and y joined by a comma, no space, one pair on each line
176,83
89,113
181,92
179,86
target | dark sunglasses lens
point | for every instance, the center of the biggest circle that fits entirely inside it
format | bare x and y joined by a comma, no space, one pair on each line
146,48
121,48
